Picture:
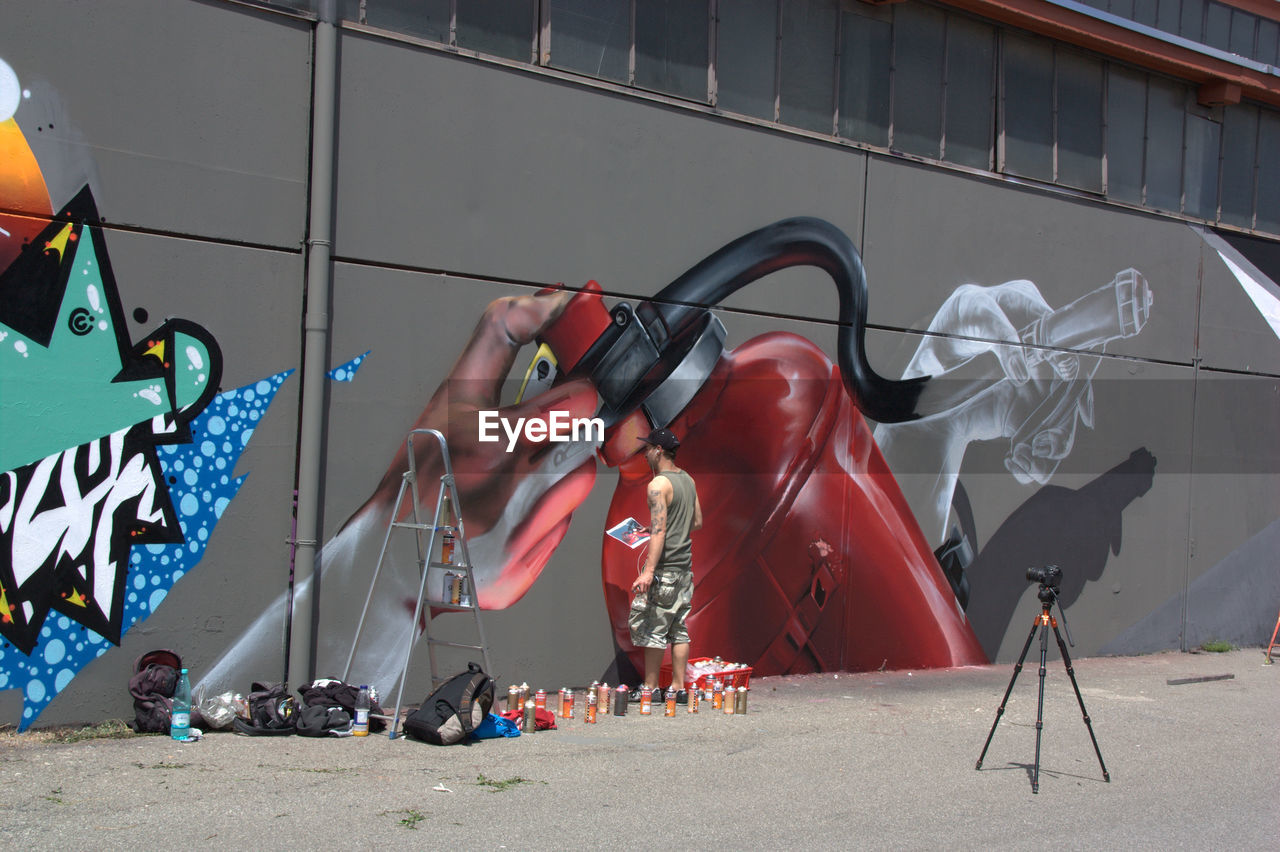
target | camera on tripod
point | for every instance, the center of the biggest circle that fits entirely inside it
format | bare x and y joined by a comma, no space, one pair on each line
1049,577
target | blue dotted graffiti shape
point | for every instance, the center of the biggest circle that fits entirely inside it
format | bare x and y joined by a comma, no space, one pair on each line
200,494
347,372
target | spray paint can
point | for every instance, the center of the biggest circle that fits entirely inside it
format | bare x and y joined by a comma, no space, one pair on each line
530,717
459,593
646,701
717,693
540,699
727,699
620,699
524,694
513,698
671,701
606,698
593,699
693,699
568,703
740,702
446,540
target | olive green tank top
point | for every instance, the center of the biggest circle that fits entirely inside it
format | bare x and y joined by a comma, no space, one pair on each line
677,549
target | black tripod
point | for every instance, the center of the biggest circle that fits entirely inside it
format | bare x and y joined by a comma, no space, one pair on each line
1048,594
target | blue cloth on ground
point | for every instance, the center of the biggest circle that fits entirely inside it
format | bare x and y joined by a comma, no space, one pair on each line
495,726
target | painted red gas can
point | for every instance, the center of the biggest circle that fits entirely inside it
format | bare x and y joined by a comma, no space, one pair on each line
809,558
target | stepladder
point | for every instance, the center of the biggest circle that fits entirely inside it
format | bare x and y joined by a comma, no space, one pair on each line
446,573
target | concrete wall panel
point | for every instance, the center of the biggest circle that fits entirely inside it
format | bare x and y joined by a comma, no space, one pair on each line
929,232
499,174
184,117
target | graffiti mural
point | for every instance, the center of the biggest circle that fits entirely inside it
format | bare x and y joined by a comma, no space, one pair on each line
518,507
1009,367
809,539
117,456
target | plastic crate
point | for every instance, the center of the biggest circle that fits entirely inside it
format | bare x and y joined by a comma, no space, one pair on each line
735,677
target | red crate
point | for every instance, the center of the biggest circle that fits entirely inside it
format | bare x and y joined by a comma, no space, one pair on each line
735,678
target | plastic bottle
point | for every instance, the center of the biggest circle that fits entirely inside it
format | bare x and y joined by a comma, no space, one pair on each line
180,716
361,726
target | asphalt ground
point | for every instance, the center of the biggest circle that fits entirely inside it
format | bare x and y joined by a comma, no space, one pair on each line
865,761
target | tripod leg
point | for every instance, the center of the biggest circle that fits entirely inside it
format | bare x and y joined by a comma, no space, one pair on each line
1088,723
1003,701
1044,650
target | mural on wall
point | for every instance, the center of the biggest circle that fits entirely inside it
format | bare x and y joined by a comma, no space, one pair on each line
999,355
517,504
812,558
116,457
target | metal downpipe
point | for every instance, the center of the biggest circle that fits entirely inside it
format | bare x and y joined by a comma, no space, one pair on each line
301,646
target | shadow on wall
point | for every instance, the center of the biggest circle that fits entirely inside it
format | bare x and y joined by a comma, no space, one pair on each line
1074,529
1234,601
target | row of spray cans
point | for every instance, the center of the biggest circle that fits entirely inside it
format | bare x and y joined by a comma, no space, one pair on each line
601,700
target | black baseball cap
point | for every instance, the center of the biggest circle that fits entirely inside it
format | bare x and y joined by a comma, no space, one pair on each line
663,438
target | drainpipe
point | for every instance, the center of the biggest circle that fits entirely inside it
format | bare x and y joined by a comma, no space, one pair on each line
300,646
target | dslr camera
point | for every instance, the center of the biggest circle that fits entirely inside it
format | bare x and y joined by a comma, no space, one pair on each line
1049,575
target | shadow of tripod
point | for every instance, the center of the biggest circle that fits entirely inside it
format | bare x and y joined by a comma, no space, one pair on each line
1049,578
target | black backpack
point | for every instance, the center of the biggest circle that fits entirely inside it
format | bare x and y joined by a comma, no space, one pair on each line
272,711
454,709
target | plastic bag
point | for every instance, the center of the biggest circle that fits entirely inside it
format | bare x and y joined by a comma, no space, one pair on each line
219,711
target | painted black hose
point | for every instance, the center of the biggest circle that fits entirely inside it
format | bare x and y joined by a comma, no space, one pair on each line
801,241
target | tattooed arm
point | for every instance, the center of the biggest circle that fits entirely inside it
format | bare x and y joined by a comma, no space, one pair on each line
659,495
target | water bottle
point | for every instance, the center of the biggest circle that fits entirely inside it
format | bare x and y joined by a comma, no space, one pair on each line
180,715
361,727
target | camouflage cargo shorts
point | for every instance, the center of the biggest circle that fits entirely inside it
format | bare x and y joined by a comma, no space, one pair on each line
657,618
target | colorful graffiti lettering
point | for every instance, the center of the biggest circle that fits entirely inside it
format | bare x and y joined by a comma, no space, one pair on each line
116,458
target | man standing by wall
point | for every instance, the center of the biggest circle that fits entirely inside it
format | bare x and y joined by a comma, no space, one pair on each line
663,593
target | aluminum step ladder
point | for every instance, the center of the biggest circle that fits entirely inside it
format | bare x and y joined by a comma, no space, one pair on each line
431,532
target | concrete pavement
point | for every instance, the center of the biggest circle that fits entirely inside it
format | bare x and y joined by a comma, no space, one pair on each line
873,760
